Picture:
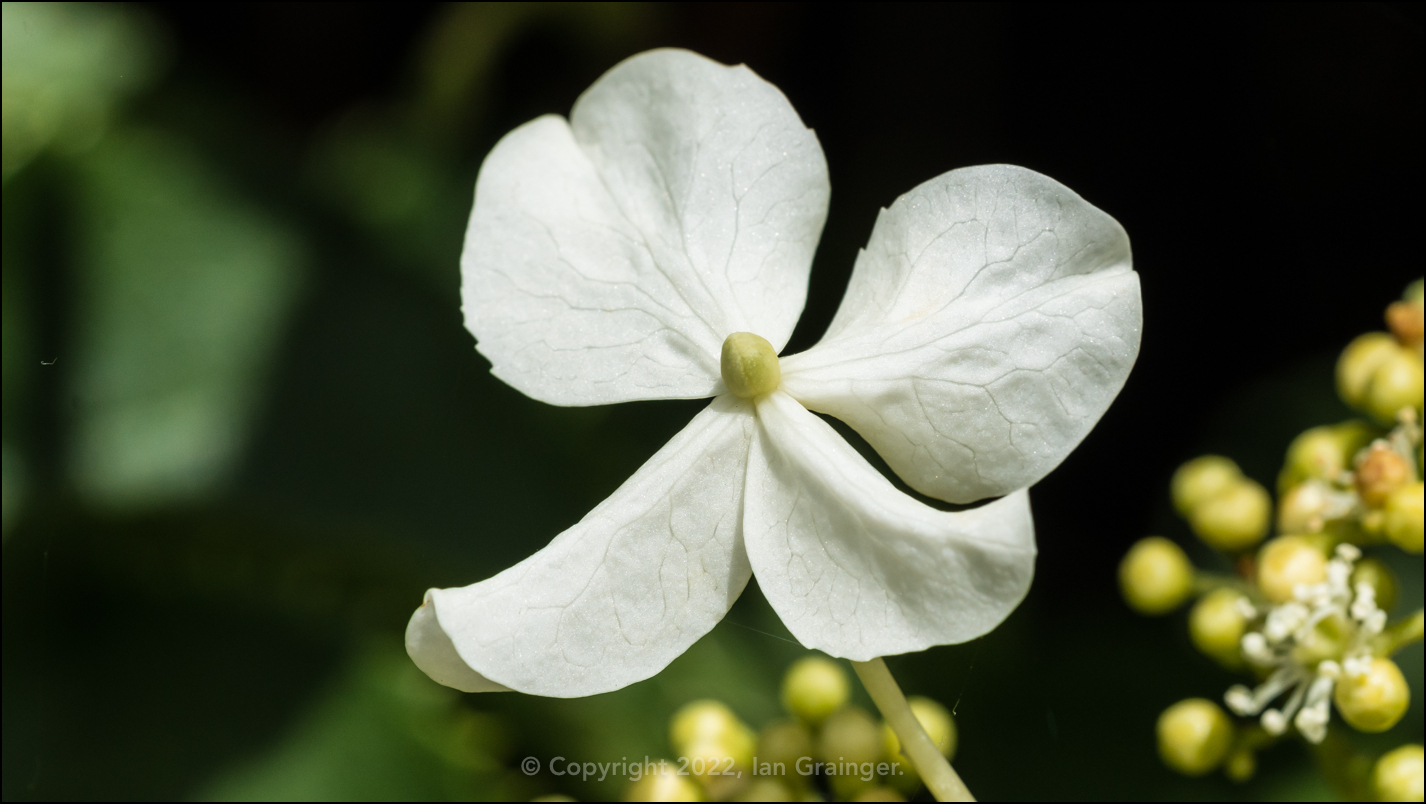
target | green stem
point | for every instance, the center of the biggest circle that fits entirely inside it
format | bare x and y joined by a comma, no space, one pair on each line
935,771
1399,634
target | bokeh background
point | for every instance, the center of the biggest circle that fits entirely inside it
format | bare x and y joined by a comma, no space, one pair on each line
244,427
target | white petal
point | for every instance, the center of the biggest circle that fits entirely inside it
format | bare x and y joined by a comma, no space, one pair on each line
990,321
617,597
856,568
608,258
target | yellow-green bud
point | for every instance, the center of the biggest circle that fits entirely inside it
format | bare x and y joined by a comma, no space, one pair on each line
851,739
1287,562
1194,736
1398,775
1359,361
1201,479
1241,765
814,688
1403,522
703,721
1323,452
1396,383
1216,625
1375,700
662,782
750,367
939,726
782,743
1235,519
1302,507
1380,578
934,718
765,789
552,797
851,735
1155,576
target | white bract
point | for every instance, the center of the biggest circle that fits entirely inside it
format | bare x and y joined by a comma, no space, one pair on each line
990,321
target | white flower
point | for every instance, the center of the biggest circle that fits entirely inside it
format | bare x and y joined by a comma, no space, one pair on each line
990,321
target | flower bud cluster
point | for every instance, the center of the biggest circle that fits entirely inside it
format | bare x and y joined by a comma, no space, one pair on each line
1306,614
826,748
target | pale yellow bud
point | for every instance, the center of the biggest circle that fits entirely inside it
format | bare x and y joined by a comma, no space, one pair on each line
1234,519
1155,576
814,688
1359,361
1216,625
1323,453
1194,736
851,739
1399,774
662,782
1201,479
934,718
1287,562
1403,522
750,367
1375,700
1241,765
1303,507
780,745
702,721
1396,383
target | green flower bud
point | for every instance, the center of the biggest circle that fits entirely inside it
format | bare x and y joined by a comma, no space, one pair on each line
1323,453
1396,383
750,367
851,739
1380,578
1235,519
1287,562
1398,775
1375,700
1403,521
1359,361
1216,625
661,782
783,742
703,721
1200,479
1241,765
1155,576
939,726
1303,507
814,688
1194,736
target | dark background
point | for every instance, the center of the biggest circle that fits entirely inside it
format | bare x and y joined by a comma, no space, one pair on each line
1265,160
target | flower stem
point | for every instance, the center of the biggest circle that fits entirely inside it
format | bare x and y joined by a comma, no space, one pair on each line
1399,634
935,771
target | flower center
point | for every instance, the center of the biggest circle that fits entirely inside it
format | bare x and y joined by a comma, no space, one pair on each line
750,365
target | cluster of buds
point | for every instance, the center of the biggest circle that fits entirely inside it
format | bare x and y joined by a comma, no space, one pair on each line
1306,613
827,748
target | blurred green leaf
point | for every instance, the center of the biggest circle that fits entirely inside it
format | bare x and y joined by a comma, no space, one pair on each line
66,66
182,295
